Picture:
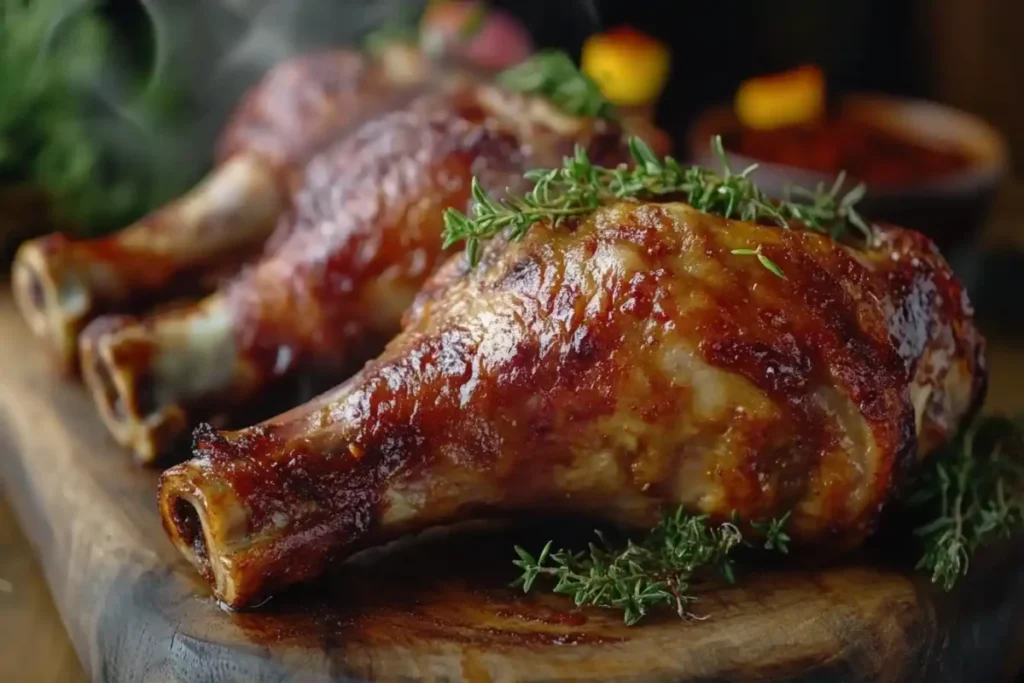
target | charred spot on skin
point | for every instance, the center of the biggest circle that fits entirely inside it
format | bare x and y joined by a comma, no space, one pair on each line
207,442
524,275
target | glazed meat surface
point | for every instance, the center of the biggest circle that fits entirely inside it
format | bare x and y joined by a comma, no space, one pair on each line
364,233
610,366
299,106
60,284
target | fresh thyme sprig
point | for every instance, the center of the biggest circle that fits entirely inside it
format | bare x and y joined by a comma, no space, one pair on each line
764,260
657,571
976,488
823,208
552,74
774,533
579,187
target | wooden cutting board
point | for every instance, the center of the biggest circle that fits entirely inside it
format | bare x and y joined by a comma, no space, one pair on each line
439,608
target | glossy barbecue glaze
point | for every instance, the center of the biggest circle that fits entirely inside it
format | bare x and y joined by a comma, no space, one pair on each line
609,366
61,284
299,106
345,262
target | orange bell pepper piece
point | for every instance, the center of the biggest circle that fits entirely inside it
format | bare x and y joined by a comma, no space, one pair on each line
629,66
785,99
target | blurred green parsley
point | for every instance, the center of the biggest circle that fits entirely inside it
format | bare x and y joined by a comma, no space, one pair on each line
53,55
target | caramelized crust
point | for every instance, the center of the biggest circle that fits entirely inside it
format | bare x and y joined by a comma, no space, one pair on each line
610,366
60,284
366,228
346,260
364,233
302,104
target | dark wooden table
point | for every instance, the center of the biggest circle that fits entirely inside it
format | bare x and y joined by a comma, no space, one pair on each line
33,643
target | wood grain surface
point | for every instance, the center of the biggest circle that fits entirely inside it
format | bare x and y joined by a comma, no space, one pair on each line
34,646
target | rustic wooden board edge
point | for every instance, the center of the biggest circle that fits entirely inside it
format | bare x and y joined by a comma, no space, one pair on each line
122,625
131,606
129,603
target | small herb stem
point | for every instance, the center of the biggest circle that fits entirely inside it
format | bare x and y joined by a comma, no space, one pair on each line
978,496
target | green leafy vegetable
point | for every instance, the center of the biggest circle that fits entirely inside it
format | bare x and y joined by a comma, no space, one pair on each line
552,74
46,48
976,492
51,53
657,571
579,187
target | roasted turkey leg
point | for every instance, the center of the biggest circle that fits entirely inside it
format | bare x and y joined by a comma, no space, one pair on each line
60,283
609,366
364,234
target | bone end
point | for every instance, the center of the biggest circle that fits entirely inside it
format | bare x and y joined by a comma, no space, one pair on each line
115,354
51,295
207,522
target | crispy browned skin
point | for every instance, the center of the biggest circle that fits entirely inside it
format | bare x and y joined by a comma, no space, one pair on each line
611,366
299,105
364,234
60,283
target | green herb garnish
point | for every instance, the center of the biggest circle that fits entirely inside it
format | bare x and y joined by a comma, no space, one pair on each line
408,28
47,47
473,23
976,488
657,571
774,533
820,208
403,32
579,187
552,74
764,260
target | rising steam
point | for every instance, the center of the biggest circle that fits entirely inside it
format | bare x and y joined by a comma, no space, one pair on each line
159,128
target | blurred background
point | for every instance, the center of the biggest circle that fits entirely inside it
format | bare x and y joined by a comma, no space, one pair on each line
111,107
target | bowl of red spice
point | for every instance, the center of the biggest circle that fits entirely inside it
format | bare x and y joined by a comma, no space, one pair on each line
926,166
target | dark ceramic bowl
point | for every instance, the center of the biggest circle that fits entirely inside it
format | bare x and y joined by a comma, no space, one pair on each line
951,209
